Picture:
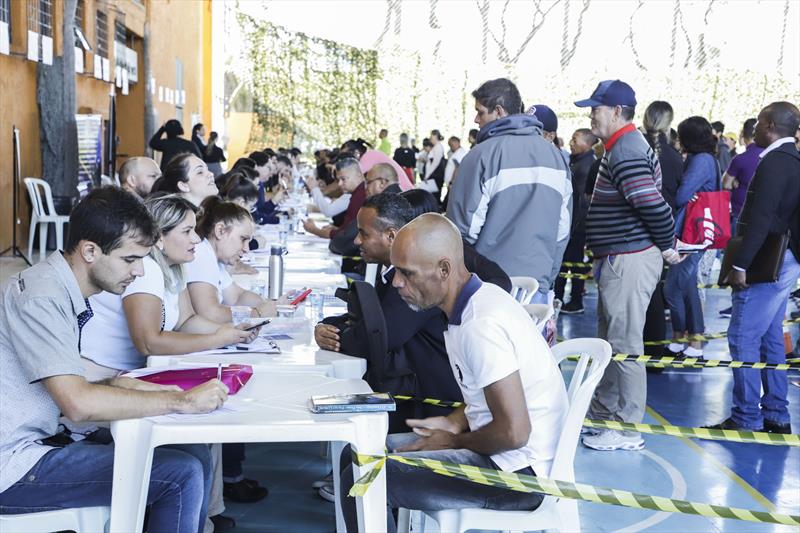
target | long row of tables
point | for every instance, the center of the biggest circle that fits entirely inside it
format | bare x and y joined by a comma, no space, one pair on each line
273,406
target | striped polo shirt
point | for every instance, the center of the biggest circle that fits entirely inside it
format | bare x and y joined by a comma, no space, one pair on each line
627,212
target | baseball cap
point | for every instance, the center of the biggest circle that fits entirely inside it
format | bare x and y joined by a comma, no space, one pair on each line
545,115
610,93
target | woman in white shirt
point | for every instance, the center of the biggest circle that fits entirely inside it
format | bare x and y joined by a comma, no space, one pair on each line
226,229
154,315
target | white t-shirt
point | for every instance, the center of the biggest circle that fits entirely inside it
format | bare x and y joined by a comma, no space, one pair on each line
453,161
205,268
489,337
106,339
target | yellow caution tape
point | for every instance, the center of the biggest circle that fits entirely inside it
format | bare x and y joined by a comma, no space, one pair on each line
564,489
707,336
569,275
694,362
758,437
731,435
572,264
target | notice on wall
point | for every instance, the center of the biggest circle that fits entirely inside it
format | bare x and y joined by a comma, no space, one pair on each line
160,93
33,45
98,67
183,97
152,86
47,50
78,60
5,42
106,69
125,82
118,76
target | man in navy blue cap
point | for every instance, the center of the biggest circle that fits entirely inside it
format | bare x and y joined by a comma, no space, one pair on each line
630,230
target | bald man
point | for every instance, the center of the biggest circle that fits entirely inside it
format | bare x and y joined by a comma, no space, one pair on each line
382,178
138,174
505,371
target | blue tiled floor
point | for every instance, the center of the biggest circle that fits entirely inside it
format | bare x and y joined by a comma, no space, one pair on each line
751,476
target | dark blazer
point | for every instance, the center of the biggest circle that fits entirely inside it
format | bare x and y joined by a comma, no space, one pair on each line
579,167
169,148
772,204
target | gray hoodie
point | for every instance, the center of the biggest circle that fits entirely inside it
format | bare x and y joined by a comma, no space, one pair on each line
512,194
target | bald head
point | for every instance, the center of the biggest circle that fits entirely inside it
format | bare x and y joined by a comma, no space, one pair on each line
428,254
138,174
379,177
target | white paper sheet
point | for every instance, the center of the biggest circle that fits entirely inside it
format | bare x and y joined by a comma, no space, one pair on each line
33,45
78,60
47,50
118,76
106,69
5,41
125,83
98,67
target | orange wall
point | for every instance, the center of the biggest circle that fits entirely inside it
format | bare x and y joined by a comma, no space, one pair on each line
178,28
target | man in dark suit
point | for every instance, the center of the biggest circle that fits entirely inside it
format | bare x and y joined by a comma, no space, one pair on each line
755,332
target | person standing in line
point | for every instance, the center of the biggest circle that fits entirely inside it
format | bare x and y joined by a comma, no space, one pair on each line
580,162
755,332
406,157
174,144
630,231
507,201
213,155
384,145
701,174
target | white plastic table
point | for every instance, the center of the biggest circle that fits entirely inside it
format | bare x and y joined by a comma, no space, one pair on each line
270,408
300,354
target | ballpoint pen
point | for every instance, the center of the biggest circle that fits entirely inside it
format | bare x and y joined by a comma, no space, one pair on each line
219,371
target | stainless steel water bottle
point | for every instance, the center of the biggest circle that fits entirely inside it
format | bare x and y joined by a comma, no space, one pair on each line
275,272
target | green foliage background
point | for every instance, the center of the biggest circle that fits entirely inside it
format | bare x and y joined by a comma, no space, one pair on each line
306,89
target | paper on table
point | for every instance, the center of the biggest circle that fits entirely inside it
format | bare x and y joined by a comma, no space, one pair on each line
234,404
260,345
284,326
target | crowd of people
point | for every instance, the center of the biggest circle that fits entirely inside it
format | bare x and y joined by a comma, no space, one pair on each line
147,267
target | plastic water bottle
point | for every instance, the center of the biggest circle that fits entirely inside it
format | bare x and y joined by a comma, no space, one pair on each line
275,272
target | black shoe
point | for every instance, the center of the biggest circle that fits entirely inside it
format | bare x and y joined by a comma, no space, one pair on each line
774,427
730,424
726,313
677,355
795,293
244,491
221,523
572,308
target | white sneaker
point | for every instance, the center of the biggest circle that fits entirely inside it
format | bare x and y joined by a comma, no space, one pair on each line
611,439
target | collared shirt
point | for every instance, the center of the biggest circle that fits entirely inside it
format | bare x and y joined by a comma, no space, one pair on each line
488,338
779,142
39,338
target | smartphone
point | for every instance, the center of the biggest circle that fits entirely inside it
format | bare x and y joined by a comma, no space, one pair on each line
258,325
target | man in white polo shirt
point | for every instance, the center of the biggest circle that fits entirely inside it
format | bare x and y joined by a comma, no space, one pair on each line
514,393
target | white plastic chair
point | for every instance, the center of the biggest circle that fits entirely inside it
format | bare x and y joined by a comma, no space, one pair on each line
540,313
524,288
43,213
79,519
553,513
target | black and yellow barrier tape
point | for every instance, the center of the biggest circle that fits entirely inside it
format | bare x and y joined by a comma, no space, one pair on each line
757,437
693,362
569,275
731,435
707,336
564,489
570,264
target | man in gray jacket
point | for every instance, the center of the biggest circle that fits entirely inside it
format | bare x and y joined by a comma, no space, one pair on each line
511,187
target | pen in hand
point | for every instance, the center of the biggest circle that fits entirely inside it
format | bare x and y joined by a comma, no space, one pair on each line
219,371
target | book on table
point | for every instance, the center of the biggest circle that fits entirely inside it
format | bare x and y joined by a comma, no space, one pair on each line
353,403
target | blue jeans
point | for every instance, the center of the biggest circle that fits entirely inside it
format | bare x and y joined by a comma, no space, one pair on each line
81,474
682,296
411,487
755,333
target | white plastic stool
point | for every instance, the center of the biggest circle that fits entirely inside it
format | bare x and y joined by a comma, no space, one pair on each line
79,519
43,213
